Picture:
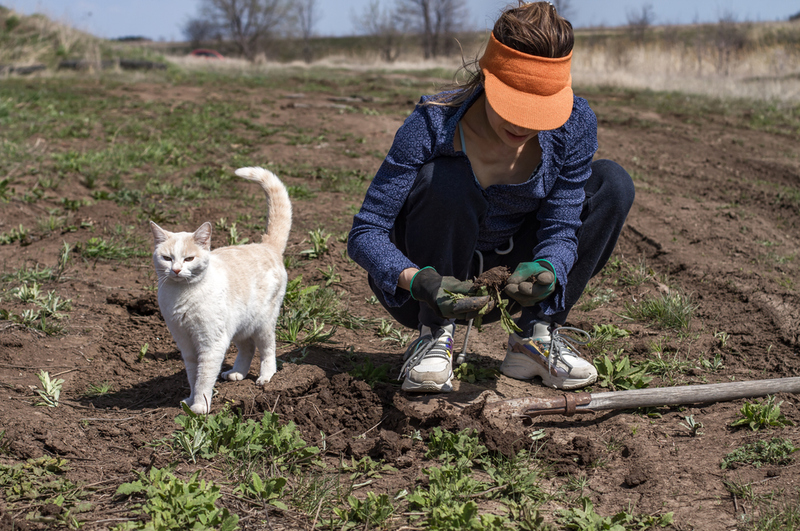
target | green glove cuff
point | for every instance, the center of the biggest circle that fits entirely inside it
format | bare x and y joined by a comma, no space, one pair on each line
411,284
552,269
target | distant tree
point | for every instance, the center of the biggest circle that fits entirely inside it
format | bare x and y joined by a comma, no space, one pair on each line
308,16
730,39
248,23
436,21
639,21
384,26
197,30
794,17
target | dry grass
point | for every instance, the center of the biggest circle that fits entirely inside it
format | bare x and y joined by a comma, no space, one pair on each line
742,61
28,40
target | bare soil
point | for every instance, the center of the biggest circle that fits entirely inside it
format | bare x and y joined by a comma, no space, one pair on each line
713,218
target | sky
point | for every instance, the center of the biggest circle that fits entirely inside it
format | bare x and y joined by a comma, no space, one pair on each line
163,19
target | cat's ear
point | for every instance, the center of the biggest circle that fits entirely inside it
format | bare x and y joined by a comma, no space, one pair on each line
202,236
159,234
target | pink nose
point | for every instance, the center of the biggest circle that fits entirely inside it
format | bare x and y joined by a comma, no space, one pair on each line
176,270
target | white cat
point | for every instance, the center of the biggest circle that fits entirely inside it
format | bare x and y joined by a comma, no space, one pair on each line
231,294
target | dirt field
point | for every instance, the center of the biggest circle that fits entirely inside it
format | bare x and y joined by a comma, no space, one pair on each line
716,218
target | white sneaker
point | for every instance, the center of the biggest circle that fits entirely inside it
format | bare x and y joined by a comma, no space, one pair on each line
428,366
553,356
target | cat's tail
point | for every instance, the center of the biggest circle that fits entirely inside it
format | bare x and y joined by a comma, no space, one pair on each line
278,205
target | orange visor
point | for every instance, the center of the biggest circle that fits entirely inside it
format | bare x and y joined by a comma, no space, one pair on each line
527,90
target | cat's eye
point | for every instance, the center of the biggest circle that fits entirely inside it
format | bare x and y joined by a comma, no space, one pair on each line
166,258
188,259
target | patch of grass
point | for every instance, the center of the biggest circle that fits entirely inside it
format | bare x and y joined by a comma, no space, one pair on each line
308,310
102,249
463,447
586,519
99,389
467,372
370,373
775,516
597,298
776,451
373,512
763,414
670,311
17,234
46,315
243,441
606,335
387,332
172,503
319,244
31,485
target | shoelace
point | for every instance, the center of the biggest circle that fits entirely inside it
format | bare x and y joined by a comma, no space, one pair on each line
559,343
421,351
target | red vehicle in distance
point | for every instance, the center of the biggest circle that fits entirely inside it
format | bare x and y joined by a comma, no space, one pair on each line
208,54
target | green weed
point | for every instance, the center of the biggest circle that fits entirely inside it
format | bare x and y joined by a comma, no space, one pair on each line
618,373
242,440
319,244
329,275
18,234
306,312
370,373
172,503
373,512
387,332
30,486
764,414
776,451
234,238
467,372
463,447
692,425
366,467
586,519
50,391
264,491
712,365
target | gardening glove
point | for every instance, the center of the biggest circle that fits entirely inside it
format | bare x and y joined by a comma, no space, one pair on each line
449,297
531,282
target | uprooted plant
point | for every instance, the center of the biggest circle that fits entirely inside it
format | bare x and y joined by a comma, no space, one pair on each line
486,295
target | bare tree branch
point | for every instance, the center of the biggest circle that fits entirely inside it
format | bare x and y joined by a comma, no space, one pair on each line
248,23
308,16
384,25
436,21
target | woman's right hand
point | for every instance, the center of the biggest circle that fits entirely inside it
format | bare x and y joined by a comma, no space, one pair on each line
531,282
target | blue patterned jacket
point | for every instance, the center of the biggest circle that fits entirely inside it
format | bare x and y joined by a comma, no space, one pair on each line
554,191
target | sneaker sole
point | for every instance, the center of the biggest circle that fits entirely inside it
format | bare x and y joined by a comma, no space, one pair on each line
427,387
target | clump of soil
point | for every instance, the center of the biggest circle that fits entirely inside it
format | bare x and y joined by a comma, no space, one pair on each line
494,279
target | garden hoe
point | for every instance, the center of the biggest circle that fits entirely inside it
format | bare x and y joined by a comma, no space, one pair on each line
571,403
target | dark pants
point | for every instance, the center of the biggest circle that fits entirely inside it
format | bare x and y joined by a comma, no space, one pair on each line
439,223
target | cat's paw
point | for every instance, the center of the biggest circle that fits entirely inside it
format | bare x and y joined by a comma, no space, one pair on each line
263,380
199,408
233,376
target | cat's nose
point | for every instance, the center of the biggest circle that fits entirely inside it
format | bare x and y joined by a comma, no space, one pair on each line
176,270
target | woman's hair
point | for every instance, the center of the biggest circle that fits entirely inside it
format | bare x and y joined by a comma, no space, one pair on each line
534,28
